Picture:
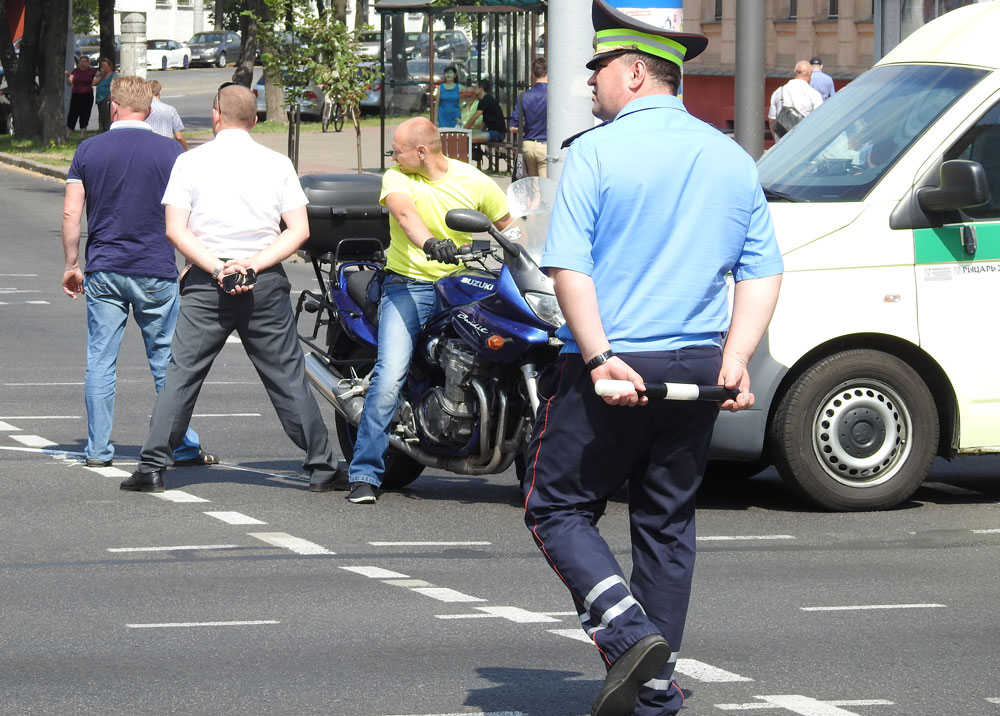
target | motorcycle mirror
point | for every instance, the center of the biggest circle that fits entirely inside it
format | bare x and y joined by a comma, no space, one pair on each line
468,220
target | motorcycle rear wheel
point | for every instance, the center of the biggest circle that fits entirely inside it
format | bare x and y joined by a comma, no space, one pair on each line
400,470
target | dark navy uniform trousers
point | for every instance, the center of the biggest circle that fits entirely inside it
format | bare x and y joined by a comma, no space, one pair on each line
582,452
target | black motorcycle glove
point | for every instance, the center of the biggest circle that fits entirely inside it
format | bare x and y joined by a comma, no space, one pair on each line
443,250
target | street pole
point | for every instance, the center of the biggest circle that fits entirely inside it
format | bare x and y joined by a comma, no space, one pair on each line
569,97
749,101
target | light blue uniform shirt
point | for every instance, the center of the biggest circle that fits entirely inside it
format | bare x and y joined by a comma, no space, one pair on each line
657,207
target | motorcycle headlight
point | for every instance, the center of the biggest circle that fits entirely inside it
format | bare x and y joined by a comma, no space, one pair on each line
546,307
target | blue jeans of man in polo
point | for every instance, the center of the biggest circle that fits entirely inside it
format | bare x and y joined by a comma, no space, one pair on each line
404,309
154,303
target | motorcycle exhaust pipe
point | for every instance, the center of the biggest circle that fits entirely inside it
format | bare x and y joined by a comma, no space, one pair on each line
342,394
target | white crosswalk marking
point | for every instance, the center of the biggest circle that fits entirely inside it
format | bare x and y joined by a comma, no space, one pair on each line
444,594
701,671
33,441
235,518
177,496
295,544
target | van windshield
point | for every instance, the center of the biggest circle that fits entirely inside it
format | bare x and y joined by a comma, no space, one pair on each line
842,149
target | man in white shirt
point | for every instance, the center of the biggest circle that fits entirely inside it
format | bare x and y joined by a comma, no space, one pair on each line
224,202
796,95
164,118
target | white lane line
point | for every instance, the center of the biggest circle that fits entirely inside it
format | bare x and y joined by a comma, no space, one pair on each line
865,607
805,706
7,427
407,583
295,544
443,594
758,706
168,625
40,417
577,634
7,291
235,518
736,538
375,573
978,532
26,385
18,275
174,548
234,339
36,441
559,614
110,471
701,671
177,496
44,451
226,415
993,700
428,544
512,614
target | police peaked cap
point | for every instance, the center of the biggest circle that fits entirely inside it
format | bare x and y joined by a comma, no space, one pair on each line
617,33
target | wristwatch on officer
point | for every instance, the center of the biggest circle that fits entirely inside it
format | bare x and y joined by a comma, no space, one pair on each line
218,269
600,359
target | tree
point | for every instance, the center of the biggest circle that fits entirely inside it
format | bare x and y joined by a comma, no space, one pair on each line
251,9
38,110
337,67
84,16
106,19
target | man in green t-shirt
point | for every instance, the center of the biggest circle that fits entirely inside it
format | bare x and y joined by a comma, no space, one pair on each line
419,191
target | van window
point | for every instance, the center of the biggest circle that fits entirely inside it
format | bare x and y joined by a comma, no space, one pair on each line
982,144
841,150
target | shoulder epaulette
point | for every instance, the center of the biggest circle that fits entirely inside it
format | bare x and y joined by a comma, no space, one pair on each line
572,139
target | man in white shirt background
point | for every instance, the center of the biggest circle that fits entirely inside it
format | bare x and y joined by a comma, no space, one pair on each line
798,96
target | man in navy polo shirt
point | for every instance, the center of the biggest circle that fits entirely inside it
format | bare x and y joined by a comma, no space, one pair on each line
130,264
533,108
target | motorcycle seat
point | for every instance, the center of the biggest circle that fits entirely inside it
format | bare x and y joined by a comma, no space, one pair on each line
357,288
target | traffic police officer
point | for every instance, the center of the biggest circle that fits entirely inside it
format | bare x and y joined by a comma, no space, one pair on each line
654,209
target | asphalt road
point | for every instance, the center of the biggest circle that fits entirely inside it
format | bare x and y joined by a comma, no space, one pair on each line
239,592
191,91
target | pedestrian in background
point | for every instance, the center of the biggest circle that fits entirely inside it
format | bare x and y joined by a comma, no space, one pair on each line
533,108
102,93
163,118
820,80
81,100
793,101
235,208
120,175
654,209
494,124
448,96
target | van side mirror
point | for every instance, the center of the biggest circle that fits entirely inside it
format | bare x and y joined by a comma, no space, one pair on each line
962,185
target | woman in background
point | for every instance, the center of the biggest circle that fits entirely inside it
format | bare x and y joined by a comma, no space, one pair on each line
449,112
103,92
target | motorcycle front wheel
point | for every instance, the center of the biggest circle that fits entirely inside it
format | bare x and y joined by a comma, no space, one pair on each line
400,470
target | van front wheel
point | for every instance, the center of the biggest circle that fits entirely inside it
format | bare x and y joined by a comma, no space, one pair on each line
857,431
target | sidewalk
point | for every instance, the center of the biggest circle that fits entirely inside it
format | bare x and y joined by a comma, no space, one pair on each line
319,153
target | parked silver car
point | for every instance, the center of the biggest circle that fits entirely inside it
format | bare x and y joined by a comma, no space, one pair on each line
214,48
311,107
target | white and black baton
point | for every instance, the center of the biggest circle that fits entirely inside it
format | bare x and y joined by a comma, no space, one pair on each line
668,391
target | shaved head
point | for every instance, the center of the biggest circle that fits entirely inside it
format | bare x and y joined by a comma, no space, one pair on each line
419,131
237,105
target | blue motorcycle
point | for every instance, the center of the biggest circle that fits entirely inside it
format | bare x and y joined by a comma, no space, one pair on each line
470,398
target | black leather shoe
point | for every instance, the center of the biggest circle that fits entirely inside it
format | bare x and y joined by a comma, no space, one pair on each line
326,481
144,482
635,667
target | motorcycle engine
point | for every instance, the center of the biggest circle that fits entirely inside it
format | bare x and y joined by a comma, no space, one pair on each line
447,414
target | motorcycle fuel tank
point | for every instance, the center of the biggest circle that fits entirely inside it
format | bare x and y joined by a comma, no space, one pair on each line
464,288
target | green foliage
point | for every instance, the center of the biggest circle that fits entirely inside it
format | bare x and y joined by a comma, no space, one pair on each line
336,65
84,17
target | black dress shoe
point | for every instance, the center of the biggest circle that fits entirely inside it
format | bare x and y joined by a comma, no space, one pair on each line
144,482
635,667
325,482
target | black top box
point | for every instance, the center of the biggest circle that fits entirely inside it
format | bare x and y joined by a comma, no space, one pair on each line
343,207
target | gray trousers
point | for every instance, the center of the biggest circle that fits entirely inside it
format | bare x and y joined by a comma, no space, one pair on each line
263,320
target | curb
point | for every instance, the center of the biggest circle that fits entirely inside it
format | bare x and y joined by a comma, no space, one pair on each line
36,167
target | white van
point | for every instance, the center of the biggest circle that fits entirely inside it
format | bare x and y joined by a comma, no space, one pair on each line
883,352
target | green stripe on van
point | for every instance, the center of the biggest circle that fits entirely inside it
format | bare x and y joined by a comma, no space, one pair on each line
944,245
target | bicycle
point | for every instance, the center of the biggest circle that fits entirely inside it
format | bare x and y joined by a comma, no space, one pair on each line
333,113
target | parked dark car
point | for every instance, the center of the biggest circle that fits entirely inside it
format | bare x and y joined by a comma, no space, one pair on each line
214,48
90,45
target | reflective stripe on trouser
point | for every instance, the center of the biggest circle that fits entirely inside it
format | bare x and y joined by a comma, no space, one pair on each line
582,452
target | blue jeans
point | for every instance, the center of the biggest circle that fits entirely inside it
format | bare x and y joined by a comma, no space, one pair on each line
405,306
154,303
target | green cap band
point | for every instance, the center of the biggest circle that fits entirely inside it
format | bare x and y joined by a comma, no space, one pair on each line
625,39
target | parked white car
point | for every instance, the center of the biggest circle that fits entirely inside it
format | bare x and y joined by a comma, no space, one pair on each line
162,54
